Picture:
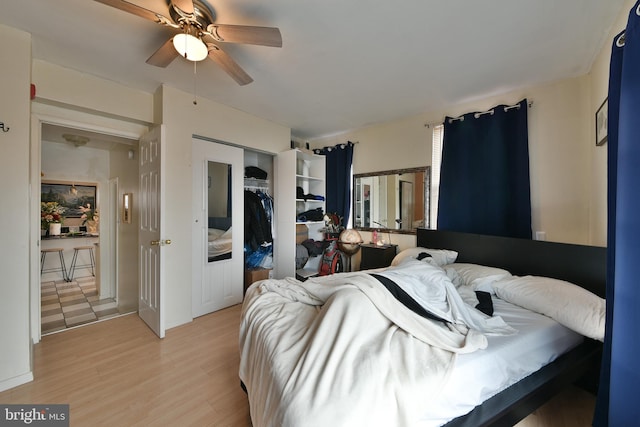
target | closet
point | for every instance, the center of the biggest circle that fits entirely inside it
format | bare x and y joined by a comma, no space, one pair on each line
218,219
259,212
228,182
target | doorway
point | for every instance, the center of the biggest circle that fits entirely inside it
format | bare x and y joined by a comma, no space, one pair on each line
104,281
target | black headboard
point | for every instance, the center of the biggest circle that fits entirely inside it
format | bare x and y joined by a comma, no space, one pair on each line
221,223
583,265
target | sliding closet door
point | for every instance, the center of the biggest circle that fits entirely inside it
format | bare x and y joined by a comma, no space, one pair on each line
218,226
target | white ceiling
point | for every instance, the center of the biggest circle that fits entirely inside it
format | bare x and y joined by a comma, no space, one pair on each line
344,64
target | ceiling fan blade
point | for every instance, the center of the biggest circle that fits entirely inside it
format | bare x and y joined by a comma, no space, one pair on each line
184,5
228,64
262,36
164,55
133,9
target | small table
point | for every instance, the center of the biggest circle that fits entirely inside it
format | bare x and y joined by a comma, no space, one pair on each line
375,256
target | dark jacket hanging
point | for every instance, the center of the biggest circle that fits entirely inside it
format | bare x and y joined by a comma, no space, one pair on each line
257,229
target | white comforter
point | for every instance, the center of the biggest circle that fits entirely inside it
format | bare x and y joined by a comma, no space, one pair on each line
341,351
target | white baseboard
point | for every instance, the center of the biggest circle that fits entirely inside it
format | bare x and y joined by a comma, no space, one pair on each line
16,381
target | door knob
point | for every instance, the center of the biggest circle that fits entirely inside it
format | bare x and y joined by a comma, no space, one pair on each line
160,242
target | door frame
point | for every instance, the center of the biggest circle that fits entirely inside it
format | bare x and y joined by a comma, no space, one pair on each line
48,114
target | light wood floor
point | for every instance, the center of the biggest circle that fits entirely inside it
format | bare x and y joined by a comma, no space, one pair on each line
118,373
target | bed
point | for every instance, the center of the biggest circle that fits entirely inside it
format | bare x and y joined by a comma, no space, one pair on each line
219,239
346,350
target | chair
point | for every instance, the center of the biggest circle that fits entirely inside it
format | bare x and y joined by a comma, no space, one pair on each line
74,260
62,268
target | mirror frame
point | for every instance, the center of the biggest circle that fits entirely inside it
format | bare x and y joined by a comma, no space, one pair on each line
427,197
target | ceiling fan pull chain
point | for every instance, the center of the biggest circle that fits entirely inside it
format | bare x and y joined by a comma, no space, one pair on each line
195,82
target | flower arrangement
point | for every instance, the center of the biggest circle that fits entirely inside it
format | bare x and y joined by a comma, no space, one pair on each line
50,212
333,223
88,213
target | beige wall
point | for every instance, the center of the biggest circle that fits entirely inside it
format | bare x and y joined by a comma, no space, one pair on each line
559,151
598,85
15,347
568,172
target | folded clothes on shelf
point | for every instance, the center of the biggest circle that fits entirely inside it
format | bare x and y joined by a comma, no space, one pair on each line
301,195
316,214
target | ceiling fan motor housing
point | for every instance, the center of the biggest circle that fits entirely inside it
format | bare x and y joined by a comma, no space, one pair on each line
202,15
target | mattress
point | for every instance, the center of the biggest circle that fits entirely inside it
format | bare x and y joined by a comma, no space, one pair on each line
220,242
478,376
273,333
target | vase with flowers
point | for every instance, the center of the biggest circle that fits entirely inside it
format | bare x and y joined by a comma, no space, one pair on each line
51,217
90,218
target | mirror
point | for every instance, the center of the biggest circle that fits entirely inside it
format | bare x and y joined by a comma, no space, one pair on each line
127,200
218,204
392,201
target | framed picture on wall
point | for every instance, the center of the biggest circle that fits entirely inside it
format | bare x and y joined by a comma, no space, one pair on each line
70,196
602,116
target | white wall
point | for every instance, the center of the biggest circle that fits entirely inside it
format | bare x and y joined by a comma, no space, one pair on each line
126,170
89,93
182,119
15,344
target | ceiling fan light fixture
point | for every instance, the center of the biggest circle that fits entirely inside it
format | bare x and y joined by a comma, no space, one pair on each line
190,47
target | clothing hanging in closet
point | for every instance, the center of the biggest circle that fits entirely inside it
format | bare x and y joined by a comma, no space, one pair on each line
258,208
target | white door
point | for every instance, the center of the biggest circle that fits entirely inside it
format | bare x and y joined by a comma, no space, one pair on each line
218,226
150,294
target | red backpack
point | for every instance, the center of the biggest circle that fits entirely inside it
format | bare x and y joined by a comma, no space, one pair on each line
331,260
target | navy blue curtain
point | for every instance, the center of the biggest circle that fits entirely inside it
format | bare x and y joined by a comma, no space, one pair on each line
338,180
484,176
617,403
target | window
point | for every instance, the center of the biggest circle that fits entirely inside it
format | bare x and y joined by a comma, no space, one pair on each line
436,158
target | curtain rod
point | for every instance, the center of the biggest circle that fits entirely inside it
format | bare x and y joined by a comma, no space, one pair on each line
478,114
331,147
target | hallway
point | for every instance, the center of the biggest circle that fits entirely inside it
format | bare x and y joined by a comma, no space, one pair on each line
68,304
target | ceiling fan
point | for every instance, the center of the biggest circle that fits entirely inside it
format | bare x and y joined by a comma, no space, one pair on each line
198,36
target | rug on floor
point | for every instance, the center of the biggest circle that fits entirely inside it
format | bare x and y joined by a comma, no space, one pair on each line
68,304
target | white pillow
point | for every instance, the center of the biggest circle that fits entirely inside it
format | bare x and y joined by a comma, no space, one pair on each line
568,304
478,277
439,257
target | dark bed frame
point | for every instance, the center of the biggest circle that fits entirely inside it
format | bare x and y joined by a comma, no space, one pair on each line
582,265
